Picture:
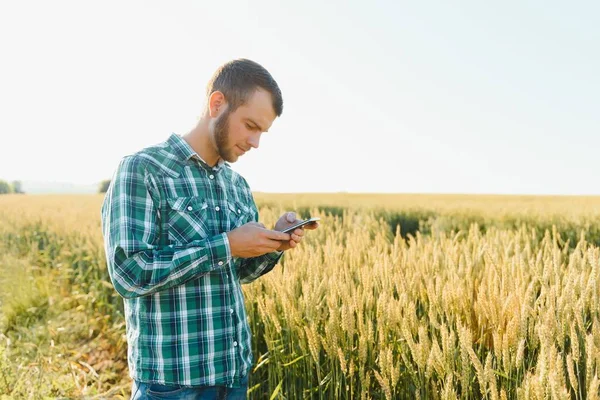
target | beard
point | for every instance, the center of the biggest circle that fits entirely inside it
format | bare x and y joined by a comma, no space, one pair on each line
221,135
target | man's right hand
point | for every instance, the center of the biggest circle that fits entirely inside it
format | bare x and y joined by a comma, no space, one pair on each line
253,240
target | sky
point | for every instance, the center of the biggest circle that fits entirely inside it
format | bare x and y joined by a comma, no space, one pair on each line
379,96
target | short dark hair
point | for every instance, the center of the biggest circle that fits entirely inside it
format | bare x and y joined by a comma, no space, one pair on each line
238,79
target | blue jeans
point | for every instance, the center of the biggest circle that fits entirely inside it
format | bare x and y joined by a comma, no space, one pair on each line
150,391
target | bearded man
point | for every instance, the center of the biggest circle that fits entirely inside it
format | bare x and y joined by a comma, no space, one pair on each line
181,235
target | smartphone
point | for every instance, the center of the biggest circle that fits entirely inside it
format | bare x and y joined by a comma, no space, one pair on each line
301,224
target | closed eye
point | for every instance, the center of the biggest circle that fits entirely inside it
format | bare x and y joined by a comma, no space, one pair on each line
253,126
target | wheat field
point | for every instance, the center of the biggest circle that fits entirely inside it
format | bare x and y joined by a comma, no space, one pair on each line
393,297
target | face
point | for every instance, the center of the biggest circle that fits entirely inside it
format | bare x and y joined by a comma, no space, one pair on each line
237,132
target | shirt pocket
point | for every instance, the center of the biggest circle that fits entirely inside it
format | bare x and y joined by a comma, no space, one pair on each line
188,219
239,214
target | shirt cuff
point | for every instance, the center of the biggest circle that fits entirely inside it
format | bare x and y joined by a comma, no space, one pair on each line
219,250
274,256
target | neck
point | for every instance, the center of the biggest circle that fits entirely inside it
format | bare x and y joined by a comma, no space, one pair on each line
200,141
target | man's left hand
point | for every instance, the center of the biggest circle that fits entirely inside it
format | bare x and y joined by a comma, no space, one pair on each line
289,219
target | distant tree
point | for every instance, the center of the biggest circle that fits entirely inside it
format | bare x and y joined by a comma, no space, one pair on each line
5,187
17,187
103,188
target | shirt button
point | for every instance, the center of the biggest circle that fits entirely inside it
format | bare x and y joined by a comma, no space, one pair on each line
231,310
239,211
212,177
190,208
234,344
217,208
220,262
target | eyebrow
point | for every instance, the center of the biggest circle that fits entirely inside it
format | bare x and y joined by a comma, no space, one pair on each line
259,127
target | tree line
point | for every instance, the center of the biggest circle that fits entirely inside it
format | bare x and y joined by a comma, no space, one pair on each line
11,187
17,187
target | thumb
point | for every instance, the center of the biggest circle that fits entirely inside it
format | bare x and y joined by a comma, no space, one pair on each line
291,217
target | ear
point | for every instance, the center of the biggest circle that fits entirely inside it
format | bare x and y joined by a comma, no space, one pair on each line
216,104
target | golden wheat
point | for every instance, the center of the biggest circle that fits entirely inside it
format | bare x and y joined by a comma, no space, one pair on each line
360,309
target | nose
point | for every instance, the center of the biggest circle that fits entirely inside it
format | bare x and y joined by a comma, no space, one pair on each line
254,140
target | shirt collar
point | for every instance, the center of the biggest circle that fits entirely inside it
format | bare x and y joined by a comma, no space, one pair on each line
184,151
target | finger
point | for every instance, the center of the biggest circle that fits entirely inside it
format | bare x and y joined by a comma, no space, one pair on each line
296,238
271,245
291,217
312,226
299,232
292,243
276,235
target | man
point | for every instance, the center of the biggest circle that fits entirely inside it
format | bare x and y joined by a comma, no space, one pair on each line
181,234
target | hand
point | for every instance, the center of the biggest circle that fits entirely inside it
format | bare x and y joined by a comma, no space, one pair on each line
253,240
289,219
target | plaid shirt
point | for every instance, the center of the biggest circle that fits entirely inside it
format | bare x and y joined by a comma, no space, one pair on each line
164,222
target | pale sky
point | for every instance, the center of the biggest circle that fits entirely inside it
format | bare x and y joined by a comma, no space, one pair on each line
425,97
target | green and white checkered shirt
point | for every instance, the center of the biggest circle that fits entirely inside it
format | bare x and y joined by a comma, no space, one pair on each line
164,221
